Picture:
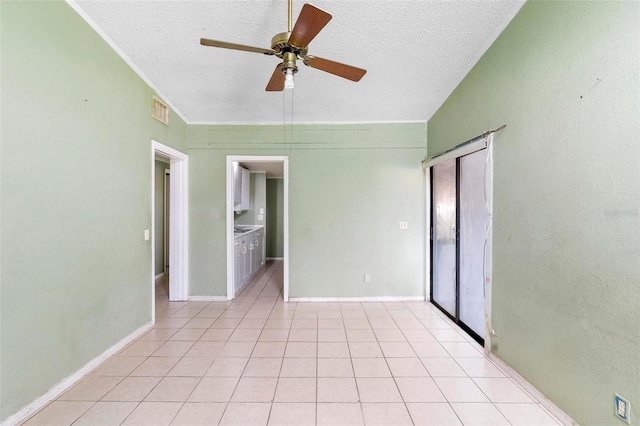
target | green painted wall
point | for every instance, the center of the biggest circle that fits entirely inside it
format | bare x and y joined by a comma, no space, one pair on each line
350,185
275,218
75,194
159,215
564,77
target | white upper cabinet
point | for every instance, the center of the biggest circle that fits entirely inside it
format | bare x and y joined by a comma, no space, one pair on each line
241,188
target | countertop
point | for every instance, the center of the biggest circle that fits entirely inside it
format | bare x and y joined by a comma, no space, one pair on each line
242,230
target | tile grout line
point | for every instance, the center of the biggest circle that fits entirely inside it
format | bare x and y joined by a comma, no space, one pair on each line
255,299
390,372
183,357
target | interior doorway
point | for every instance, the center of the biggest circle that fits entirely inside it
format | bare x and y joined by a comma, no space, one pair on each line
177,215
272,166
160,209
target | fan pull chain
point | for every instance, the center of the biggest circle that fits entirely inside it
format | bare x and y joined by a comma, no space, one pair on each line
293,91
284,122
288,146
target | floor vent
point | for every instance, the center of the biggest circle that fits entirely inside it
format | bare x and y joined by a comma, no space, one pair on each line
160,111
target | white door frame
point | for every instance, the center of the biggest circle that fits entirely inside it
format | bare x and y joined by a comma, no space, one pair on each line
178,223
165,225
230,217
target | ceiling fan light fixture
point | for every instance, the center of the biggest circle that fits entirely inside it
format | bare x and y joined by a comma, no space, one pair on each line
293,45
288,79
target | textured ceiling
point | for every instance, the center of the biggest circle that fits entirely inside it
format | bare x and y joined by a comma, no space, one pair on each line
415,53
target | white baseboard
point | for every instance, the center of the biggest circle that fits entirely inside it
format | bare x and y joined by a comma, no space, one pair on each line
545,403
207,298
358,299
71,380
160,275
275,258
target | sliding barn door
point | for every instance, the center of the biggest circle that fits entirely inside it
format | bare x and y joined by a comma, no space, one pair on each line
459,217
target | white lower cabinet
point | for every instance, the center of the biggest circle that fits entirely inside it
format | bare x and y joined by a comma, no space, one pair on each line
258,251
238,262
248,267
248,257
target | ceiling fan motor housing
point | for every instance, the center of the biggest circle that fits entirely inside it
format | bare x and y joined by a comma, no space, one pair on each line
280,41
289,53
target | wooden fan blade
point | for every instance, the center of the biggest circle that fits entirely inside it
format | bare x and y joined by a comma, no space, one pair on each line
308,25
225,45
276,84
335,68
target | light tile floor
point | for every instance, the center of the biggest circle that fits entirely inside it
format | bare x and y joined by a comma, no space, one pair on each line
259,361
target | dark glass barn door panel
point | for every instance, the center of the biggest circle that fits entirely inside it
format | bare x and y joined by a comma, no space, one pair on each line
444,235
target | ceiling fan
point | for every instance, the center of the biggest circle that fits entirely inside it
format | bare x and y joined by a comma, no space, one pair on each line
293,45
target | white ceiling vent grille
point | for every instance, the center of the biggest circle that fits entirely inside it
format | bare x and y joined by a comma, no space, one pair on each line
160,111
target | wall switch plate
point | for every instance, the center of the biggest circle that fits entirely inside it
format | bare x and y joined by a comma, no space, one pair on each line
367,278
404,225
260,216
623,408
261,211
146,235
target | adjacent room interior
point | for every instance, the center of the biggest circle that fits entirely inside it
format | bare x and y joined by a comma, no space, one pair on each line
384,272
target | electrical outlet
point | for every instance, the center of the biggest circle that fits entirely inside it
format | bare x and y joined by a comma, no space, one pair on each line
367,278
260,217
622,407
404,225
146,235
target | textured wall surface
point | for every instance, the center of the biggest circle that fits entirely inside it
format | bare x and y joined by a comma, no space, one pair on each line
350,185
564,77
76,197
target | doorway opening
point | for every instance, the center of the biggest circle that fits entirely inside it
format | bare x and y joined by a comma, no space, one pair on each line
175,220
161,207
251,215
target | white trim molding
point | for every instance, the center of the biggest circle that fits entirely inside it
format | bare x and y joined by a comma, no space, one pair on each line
285,232
359,299
302,123
160,275
74,378
207,298
549,406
